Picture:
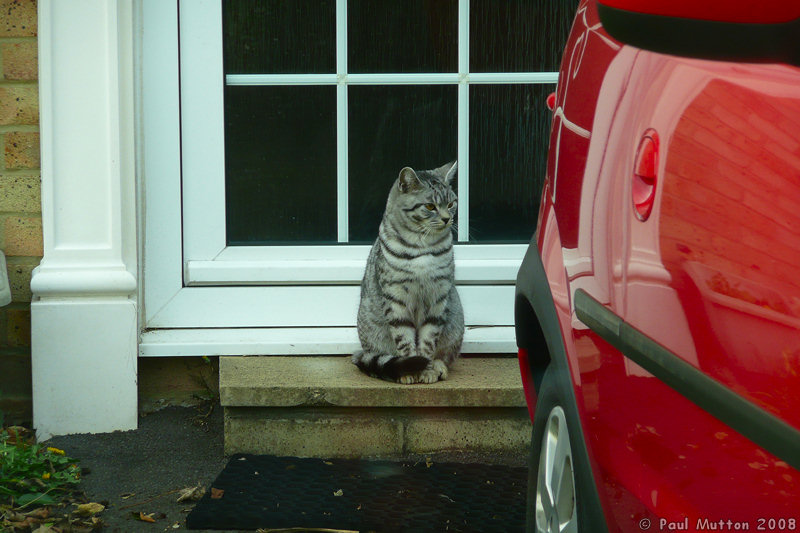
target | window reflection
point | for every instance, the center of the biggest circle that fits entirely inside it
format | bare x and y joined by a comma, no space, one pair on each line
279,37
518,36
508,136
280,165
390,128
402,36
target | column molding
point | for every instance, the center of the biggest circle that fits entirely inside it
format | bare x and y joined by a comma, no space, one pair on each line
84,318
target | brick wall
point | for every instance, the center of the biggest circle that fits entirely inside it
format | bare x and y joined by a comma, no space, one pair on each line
20,198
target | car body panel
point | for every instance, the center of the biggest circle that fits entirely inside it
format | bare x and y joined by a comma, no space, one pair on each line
713,275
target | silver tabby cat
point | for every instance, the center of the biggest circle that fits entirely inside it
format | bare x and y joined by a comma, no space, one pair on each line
410,319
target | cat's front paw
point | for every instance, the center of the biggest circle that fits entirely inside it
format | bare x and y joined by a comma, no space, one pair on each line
426,376
441,368
408,379
429,375
436,371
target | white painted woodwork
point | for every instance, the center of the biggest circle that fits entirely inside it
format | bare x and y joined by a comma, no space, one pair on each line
84,311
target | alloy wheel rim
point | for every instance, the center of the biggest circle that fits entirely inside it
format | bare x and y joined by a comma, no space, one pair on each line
555,483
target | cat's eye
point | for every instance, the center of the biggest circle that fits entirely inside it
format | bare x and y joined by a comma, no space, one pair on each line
430,207
450,205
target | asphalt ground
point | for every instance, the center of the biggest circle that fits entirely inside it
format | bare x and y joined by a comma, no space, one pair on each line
142,473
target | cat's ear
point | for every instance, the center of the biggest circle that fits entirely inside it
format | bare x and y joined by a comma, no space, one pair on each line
447,171
408,180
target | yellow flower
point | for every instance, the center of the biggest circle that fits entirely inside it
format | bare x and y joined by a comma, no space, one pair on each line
56,451
46,475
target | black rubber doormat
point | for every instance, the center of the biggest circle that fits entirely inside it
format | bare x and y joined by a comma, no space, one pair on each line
266,492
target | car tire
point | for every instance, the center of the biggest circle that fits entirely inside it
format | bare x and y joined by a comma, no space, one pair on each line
558,478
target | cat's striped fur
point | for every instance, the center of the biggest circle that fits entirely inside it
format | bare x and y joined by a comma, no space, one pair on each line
410,319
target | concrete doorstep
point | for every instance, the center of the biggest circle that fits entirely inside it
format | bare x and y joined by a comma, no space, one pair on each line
325,407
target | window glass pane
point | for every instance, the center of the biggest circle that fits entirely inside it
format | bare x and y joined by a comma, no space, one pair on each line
518,35
402,36
390,128
509,129
280,165
279,37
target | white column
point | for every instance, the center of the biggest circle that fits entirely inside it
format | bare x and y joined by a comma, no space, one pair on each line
84,313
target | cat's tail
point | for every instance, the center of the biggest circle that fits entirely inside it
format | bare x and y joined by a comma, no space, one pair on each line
388,367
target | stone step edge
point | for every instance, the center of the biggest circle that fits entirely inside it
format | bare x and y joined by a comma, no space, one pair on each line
333,381
375,432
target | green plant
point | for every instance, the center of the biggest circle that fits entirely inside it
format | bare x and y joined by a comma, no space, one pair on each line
32,475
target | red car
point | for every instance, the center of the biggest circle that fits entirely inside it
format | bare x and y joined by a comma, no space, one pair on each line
658,306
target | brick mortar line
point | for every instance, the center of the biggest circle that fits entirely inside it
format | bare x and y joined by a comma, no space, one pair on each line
19,128
23,260
20,214
18,84
20,172
19,39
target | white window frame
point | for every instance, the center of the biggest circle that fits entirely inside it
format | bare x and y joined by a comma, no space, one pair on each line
202,297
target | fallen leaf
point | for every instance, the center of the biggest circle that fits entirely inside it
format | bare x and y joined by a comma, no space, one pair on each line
339,492
428,462
19,434
127,495
40,513
43,529
216,494
89,509
191,493
23,525
10,515
146,517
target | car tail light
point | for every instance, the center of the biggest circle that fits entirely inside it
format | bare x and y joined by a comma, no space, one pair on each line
645,175
551,101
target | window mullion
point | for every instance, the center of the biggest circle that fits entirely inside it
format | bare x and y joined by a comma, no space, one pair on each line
342,199
259,80
463,121
506,78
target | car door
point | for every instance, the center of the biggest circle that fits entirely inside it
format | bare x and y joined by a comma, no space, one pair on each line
705,278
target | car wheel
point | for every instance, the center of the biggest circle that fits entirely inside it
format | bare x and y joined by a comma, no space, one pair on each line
555,485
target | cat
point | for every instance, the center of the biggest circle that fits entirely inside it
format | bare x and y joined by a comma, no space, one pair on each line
410,319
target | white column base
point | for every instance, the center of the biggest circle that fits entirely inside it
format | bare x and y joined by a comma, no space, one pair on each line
84,364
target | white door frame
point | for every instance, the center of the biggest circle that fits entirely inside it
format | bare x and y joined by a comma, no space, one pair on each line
194,282
99,67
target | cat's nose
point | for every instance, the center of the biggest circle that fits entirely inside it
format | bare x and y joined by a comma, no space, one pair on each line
445,219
